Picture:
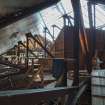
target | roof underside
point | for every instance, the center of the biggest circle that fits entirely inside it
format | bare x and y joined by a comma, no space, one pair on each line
36,22
13,10
98,1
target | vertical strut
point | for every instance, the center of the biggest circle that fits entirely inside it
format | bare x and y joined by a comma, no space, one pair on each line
76,9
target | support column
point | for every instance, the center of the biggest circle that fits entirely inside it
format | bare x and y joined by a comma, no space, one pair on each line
54,42
18,53
90,14
92,24
65,57
94,33
27,49
76,44
45,29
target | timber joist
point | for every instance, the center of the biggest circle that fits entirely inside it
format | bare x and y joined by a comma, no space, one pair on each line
34,96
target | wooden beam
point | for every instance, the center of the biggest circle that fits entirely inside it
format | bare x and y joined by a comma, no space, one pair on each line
90,14
30,35
28,49
27,52
76,9
22,13
80,92
21,67
73,99
97,1
32,96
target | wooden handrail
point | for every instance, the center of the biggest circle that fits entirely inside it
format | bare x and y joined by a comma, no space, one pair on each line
32,96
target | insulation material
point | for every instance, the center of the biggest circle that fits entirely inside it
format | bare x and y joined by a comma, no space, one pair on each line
98,101
98,87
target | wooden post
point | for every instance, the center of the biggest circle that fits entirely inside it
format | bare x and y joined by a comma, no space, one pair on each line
76,9
92,23
90,14
76,43
65,62
45,42
27,44
18,53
